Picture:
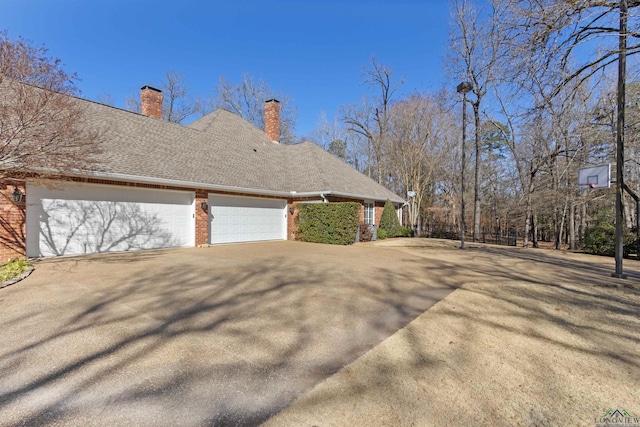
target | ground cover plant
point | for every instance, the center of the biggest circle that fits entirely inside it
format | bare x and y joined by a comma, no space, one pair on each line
13,269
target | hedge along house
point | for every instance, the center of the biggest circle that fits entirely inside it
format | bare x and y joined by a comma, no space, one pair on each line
157,184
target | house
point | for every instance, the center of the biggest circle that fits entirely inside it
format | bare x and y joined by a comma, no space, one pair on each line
157,184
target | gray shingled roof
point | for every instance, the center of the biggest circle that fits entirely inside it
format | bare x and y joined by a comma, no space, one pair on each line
221,149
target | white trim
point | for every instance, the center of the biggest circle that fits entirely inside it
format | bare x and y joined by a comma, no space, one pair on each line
364,216
228,188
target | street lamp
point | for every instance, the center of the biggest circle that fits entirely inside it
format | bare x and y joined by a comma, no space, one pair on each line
622,72
463,88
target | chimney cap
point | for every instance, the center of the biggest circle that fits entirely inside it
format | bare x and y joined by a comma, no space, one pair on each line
145,87
271,100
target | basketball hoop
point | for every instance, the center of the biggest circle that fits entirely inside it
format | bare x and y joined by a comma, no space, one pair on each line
594,177
587,186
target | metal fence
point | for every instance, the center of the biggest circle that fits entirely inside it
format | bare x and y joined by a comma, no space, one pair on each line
497,237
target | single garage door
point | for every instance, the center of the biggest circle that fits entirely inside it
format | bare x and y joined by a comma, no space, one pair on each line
246,219
74,219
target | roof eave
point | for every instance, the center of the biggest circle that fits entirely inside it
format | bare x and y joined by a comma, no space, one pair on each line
226,188
179,183
348,195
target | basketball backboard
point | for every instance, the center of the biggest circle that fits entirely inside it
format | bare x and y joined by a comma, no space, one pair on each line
594,177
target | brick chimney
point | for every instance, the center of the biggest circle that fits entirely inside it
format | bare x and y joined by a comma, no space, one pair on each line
151,99
272,119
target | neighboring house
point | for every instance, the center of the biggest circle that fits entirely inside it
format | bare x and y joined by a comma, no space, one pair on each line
158,184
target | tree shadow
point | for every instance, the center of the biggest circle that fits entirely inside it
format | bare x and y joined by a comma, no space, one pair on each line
12,221
81,227
527,336
205,341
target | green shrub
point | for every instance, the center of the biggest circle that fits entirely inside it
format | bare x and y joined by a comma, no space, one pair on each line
389,220
13,269
601,240
333,223
405,232
382,234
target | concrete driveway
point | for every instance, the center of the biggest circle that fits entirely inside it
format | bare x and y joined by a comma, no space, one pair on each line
531,338
226,335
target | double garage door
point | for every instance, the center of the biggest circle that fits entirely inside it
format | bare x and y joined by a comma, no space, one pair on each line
246,219
74,219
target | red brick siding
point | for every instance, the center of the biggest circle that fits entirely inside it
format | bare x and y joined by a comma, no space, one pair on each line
202,219
291,220
12,223
272,120
151,103
12,244
377,211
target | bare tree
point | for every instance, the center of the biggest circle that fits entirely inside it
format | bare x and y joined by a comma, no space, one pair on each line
42,127
420,141
247,100
334,137
475,48
370,120
552,31
178,105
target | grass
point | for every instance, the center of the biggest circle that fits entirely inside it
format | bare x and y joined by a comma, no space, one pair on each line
13,269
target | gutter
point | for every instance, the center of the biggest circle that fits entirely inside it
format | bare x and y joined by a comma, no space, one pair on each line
226,188
323,194
180,183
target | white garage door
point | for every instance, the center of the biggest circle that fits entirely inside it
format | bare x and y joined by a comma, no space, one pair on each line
73,219
246,219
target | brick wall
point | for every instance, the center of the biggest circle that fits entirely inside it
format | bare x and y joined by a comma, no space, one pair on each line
202,219
13,227
377,212
272,119
151,99
291,220
12,222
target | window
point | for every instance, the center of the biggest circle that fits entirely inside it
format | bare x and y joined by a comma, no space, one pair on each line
369,213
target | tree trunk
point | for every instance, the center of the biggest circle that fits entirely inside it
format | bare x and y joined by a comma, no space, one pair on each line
535,230
528,211
476,187
562,219
628,217
583,221
572,227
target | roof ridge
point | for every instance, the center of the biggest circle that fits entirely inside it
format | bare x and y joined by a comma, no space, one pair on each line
100,104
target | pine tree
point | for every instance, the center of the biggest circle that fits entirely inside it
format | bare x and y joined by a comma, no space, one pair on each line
389,221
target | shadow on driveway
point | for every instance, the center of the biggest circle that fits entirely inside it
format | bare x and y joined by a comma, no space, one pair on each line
226,335
533,338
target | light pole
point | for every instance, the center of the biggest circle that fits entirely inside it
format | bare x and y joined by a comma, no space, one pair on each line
622,74
463,88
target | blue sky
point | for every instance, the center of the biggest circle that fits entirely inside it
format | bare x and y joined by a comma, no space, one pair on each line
313,51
